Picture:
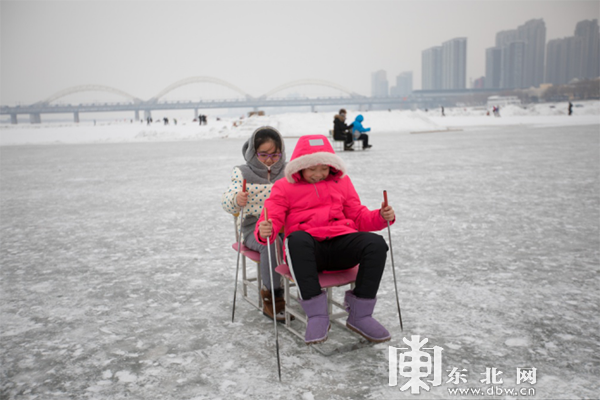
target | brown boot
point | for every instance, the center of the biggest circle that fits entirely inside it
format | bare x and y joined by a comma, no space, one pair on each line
268,305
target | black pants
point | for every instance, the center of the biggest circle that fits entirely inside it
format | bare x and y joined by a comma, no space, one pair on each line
345,136
309,257
365,139
348,140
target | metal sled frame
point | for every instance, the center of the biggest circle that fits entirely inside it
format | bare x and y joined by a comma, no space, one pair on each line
336,310
251,282
251,285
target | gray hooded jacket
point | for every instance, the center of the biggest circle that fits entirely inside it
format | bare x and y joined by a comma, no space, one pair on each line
259,180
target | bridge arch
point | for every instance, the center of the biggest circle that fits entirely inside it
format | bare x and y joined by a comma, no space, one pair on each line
198,79
89,88
318,82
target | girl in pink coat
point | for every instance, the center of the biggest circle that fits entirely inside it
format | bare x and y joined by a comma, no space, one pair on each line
327,229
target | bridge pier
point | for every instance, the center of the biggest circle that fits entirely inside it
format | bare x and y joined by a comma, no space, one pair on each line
147,114
13,119
312,108
195,113
137,115
35,118
76,117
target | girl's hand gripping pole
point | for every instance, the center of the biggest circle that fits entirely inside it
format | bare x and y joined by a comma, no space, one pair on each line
385,204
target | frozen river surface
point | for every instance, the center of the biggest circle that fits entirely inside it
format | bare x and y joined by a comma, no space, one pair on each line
117,272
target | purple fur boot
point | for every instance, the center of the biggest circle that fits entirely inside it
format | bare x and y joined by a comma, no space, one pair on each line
360,318
318,319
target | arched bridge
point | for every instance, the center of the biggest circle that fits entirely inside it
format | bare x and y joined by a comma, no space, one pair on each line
305,82
89,88
197,79
133,103
194,80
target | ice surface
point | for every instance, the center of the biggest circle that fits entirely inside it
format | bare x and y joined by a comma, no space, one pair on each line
117,271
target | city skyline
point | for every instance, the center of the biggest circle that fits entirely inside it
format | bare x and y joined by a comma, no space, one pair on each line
143,47
521,58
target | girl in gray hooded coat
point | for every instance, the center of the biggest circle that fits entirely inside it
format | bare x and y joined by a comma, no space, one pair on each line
264,153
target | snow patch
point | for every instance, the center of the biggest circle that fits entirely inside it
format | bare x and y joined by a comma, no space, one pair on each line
125,376
517,342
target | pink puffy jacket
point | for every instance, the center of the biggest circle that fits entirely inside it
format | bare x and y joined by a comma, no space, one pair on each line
325,209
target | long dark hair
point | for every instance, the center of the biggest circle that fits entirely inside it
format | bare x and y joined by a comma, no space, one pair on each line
267,135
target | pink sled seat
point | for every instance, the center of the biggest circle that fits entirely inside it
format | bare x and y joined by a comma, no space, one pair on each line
327,279
246,251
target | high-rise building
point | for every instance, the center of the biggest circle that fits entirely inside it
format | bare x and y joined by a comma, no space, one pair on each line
533,34
404,85
498,65
513,65
445,66
493,67
590,36
564,60
454,64
574,57
522,55
431,68
379,84
504,38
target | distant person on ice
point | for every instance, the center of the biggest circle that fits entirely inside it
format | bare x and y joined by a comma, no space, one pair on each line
496,110
327,229
264,153
341,131
570,108
359,132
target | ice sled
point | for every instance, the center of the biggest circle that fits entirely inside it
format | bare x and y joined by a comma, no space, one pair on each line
338,145
335,283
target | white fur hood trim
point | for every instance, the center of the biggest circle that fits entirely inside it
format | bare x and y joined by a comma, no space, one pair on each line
310,160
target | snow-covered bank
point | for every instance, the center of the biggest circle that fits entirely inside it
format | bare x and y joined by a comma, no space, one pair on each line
297,124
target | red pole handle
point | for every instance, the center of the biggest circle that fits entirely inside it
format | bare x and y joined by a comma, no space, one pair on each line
385,201
244,186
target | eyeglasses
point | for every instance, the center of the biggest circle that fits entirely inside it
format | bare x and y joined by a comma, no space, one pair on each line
264,156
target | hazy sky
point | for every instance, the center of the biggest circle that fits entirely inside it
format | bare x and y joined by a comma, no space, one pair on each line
141,47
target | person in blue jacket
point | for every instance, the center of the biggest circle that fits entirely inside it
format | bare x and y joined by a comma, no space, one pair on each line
359,131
